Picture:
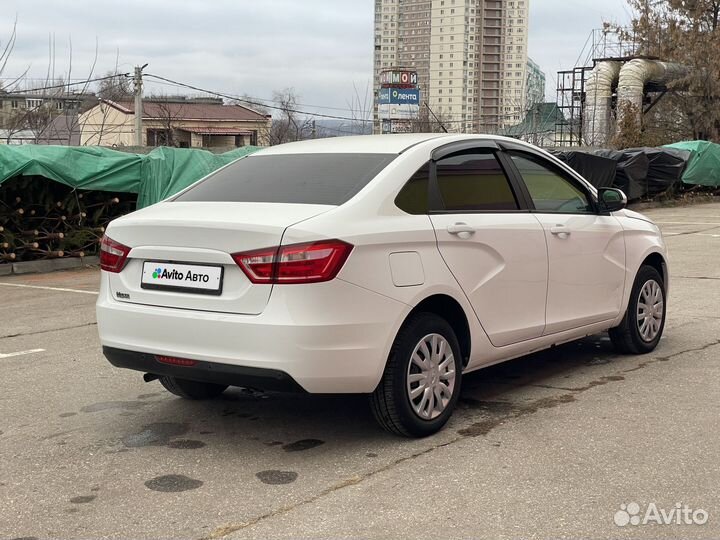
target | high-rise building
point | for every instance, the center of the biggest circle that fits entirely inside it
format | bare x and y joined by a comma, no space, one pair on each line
470,56
535,86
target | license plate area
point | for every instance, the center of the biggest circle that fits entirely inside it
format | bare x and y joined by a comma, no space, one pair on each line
182,277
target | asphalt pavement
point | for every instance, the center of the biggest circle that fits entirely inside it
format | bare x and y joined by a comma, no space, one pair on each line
569,443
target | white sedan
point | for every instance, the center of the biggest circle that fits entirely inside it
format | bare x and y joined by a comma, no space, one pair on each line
384,265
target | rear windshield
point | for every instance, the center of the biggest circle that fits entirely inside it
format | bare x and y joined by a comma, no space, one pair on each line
290,178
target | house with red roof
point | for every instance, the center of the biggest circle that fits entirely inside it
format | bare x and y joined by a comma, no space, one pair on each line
178,121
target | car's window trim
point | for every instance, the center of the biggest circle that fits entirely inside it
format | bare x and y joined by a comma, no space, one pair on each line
457,147
533,156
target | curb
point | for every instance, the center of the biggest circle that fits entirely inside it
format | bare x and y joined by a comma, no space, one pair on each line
49,265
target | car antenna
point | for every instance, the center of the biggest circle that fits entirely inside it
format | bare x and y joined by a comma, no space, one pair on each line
436,118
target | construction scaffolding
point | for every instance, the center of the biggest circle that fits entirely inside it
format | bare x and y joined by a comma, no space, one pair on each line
570,101
602,44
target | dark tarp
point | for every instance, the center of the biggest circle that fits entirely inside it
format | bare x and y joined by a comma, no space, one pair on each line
665,168
631,171
646,172
598,170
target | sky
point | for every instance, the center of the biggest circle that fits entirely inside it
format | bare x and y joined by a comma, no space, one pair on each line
321,48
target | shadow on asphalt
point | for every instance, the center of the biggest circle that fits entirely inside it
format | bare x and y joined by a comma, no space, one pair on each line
300,422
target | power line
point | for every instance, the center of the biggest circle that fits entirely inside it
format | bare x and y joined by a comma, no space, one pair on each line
252,101
65,85
257,103
240,98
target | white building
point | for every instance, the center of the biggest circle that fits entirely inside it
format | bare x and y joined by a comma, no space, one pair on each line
535,87
471,56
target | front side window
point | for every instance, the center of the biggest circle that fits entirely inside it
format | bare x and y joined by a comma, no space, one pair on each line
474,181
550,191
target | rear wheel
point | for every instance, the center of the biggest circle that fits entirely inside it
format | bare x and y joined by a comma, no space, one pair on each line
192,389
641,329
421,383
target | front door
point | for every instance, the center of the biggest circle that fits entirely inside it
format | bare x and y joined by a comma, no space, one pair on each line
586,250
495,250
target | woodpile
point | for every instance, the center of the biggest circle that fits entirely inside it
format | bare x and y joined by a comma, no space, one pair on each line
43,219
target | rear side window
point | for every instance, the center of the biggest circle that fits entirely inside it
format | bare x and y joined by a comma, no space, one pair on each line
413,197
290,178
474,181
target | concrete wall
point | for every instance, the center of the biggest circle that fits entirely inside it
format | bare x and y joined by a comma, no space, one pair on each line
104,125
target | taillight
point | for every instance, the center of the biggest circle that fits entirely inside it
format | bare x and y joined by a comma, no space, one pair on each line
310,262
113,255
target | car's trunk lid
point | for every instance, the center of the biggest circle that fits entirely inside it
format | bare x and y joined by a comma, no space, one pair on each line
201,235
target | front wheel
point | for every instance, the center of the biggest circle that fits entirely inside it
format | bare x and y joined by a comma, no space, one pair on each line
421,383
641,329
191,389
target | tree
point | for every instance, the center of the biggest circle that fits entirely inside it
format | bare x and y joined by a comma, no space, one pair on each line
288,124
687,32
48,100
430,121
168,115
361,111
115,88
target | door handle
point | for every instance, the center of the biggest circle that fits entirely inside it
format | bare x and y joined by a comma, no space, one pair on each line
460,228
560,229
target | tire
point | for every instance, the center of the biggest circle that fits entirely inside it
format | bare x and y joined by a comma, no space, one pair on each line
391,403
628,337
191,389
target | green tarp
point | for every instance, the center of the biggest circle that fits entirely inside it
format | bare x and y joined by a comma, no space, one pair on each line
703,168
154,176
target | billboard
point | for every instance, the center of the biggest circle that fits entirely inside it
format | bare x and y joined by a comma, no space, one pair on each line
398,100
388,111
398,78
398,103
396,126
399,96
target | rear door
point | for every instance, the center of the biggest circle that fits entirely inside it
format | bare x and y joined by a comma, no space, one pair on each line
494,248
586,249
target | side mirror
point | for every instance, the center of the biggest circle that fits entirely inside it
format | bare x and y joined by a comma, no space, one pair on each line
611,199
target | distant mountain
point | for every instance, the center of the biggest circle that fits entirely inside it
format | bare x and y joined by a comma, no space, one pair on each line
340,128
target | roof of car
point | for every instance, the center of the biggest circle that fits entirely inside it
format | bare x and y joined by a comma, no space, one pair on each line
366,144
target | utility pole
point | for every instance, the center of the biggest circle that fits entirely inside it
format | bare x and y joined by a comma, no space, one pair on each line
314,130
138,105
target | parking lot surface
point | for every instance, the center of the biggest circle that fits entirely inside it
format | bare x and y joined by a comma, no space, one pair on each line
545,446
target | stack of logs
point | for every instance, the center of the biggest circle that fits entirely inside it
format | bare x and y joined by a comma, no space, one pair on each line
43,219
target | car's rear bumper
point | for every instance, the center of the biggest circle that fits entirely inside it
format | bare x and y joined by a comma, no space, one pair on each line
329,337
211,372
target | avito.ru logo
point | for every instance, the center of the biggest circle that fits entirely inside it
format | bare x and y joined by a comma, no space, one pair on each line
196,277
680,514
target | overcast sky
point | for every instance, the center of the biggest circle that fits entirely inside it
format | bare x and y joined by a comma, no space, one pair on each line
322,48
